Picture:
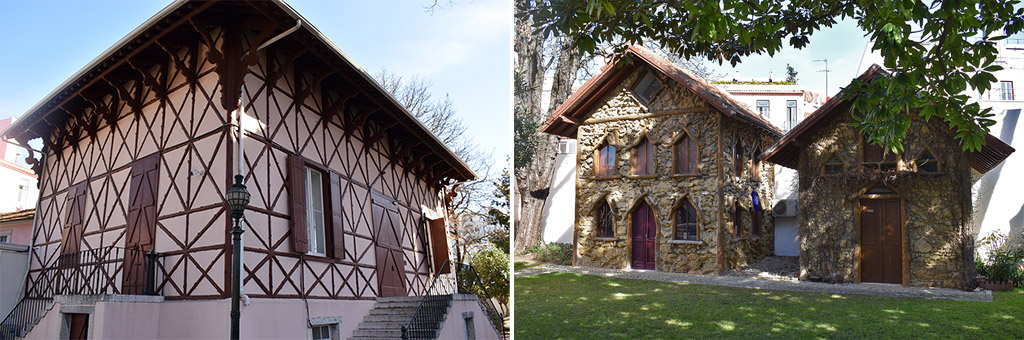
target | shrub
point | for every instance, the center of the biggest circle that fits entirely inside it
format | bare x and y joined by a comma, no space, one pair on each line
557,253
1004,262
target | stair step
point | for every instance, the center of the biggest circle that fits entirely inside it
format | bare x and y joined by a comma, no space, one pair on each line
394,333
399,310
388,318
399,298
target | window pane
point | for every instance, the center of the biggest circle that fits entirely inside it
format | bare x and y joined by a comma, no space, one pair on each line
315,211
603,221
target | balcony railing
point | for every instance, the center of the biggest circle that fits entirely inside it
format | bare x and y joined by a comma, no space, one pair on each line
107,270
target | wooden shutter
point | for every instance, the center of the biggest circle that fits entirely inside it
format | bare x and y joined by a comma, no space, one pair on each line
337,228
142,202
74,224
439,245
297,193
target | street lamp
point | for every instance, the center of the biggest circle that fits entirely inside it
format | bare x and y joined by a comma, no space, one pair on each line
237,198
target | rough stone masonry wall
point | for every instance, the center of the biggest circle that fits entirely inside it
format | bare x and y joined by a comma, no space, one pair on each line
746,248
664,191
932,208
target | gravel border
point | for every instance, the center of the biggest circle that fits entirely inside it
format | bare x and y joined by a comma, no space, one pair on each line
885,290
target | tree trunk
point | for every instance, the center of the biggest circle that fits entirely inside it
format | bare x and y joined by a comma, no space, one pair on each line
533,181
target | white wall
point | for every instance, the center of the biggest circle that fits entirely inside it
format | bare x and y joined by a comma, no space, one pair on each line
454,327
560,207
786,242
13,268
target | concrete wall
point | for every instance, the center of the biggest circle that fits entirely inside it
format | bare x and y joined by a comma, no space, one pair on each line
149,317
465,306
13,268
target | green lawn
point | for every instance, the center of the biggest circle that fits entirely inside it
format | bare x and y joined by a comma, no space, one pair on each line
573,306
517,265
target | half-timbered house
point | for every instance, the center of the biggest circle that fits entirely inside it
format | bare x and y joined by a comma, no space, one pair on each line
666,176
891,217
132,239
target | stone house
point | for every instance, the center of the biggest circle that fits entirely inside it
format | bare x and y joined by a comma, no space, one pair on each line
667,177
348,215
872,216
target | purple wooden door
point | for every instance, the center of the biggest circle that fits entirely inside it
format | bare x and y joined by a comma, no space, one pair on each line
644,232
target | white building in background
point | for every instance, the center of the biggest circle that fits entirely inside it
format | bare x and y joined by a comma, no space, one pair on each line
18,189
784,106
998,203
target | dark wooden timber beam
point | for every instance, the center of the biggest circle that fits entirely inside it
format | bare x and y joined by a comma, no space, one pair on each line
119,58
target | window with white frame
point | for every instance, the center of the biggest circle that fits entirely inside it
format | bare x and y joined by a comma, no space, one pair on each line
763,108
1006,90
790,114
315,212
324,332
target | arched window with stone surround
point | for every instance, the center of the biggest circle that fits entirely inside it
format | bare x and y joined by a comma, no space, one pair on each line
685,221
643,157
604,221
604,160
685,155
737,159
926,162
833,165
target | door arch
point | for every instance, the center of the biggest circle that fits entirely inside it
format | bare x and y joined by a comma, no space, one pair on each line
644,235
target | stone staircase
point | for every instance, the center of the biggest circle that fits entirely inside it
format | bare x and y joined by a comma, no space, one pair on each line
389,314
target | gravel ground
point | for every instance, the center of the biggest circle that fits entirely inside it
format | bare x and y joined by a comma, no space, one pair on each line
778,268
752,277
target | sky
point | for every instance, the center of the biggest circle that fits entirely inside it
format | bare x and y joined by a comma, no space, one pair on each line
463,49
842,44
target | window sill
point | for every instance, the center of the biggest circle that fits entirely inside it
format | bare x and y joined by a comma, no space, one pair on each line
738,239
604,239
695,242
641,176
603,178
685,175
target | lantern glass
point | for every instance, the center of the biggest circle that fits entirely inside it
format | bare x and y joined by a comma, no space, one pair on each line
238,197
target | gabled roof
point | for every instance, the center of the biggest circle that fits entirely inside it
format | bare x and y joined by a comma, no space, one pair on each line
39,120
567,117
786,151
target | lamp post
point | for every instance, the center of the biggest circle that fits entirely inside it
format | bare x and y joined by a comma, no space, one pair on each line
237,199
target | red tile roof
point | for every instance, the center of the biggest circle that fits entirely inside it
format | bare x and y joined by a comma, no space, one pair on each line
567,117
26,214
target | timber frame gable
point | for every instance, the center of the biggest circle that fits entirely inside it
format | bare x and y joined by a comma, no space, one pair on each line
166,98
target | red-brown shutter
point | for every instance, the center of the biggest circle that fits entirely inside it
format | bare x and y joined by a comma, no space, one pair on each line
439,245
145,176
297,193
337,228
74,225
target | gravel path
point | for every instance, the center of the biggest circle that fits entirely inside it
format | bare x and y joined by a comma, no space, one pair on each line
743,279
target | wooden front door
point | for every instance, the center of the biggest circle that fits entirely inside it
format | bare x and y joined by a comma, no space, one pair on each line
390,257
644,231
141,228
881,241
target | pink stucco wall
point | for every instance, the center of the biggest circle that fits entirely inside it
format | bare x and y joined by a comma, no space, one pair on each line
455,325
206,319
21,231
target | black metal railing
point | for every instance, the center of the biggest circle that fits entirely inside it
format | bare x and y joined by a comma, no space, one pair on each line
470,283
464,280
106,270
426,319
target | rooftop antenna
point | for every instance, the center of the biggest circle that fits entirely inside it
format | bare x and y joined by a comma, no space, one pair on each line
826,70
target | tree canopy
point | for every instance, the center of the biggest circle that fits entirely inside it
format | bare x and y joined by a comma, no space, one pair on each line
937,53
